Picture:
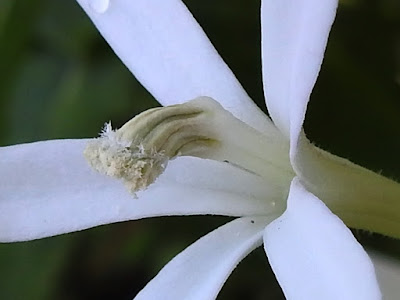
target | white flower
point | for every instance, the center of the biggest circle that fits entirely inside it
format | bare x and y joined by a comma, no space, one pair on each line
48,188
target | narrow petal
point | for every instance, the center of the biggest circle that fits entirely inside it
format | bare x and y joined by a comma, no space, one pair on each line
168,52
47,188
200,271
294,36
314,255
388,273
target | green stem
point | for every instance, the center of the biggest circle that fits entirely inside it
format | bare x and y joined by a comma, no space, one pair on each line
361,198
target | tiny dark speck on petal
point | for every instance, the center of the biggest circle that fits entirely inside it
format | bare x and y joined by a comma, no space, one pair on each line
252,221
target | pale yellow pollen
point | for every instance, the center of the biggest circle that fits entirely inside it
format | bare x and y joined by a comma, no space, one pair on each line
112,156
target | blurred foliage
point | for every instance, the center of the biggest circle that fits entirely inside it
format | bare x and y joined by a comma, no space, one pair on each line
59,79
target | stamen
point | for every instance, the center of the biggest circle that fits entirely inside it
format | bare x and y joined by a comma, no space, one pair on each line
139,151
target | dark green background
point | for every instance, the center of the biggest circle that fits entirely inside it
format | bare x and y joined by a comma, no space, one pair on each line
59,79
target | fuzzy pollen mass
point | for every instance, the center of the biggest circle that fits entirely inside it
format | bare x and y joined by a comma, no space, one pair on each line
137,166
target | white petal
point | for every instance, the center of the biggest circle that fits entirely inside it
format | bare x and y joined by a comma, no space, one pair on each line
47,188
388,273
294,36
315,256
168,52
201,269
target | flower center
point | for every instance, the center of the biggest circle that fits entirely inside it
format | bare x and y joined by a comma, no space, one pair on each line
139,151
